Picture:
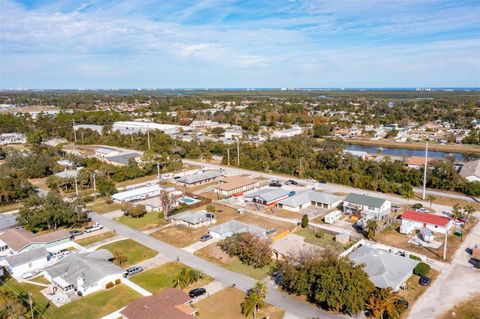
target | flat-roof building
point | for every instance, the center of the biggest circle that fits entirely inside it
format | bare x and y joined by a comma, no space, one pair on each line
230,185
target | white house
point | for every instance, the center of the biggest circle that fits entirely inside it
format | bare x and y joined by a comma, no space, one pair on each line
129,127
309,198
231,227
233,133
295,130
268,196
27,261
332,217
193,219
359,154
12,138
368,207
139,193
412,220
18,240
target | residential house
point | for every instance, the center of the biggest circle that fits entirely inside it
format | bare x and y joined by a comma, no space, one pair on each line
129,127
308,198
412,220
68,173
139,193
359,154
93,127
293,131
193,219
233,133
19,240
84,272
200,178
385,270
268,196
230,185
417,162
471,171
171,303
368,207
27,261
12,138
232,227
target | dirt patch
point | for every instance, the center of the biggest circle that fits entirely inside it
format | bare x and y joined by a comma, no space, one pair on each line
266,223
214,254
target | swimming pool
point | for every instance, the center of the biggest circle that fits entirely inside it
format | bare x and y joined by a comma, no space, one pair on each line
188,200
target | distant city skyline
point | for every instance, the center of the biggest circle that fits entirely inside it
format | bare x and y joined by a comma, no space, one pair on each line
239,44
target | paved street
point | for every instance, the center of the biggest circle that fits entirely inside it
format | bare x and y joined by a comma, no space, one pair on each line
7,221
458,281
276,297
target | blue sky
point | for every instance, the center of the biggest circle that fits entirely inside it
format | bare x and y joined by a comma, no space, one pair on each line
209,43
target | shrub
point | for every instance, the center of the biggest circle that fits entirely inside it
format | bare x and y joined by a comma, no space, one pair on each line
422,269
109,285
415,257
304,221
118,281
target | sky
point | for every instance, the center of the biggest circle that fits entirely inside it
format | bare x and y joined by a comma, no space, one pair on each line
65,44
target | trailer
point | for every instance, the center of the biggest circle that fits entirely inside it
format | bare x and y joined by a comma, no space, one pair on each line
332,217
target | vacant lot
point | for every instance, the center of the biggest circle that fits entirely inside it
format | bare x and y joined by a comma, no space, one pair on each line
468,309
144,179
161,277
415,290
266,223
100,206
134,251
226,304
94,239
282,213
320,239
214,254
148,221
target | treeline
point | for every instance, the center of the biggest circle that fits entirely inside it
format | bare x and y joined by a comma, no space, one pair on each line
303,157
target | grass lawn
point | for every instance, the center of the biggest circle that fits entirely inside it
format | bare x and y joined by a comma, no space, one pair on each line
134,251
40,279
415,290
161,277
468,309
94,239
9,207
324,241
266,223
101,207
214,254
148,221
226,304
144,179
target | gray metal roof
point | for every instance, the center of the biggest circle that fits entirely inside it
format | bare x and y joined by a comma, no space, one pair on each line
122,158
236,227
27,257
383,268
309,196
192,217
199,177
365,200
69,173
268,194
92,266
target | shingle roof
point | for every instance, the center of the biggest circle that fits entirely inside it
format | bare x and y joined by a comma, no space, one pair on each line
365,200
236,227
268,194
122,158
18,238
192,217
471,169
92,266
199,177
426,218
165,305
309,196
28,256
383,268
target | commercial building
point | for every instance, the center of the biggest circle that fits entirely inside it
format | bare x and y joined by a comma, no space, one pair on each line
200,178
368,207
130,127
93,127
412,220
268,196
139,193
295,130
230,185
385,270
309,198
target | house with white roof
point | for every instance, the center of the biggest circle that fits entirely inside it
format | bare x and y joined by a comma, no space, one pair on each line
268,196
368,207
193,219
471,171
27,261
139,193
309,198
232,227
293,131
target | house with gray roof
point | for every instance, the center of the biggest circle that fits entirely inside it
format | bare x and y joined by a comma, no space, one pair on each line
268,196
232,227
384,268
193,219
200,178
309,198
366,206
471,171
27,261
84,272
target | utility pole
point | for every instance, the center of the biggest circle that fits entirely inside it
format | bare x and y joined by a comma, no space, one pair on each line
30,302
445,246
425,172
74,132
238,151
228,156
158,172
76,186
148,136
94,185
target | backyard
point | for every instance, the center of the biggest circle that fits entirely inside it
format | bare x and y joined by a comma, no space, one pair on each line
320,239
161,277
226,304
102,206
133,251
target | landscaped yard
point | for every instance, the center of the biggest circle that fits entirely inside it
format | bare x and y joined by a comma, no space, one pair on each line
415,290
468,309
161,277
100,206
94,239
180,236
93,306
214,254
226,304
148,221
322,239
134,251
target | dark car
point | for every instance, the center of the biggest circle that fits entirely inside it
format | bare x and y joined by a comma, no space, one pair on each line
291,182
322,181
76,233
197,292
402,303
275,184
205,238
210,215
425,281
132,271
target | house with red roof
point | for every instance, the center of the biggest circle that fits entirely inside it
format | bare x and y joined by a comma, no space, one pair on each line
412,220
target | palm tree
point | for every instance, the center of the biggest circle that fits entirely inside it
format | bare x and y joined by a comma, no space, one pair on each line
468,211
456,212
254,300
383,302
431,198
186,276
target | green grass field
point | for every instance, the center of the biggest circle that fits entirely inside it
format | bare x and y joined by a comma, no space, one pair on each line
161,277
134,251
149,220
257,273
101,207
94,239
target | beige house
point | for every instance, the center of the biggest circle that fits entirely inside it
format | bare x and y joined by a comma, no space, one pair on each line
231,185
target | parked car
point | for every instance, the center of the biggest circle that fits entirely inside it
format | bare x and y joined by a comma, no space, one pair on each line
27,275
210,215
422,210
291,182
197,292
205,238
95,227
132,271
463,220
425,281
76,232
402,303
275,184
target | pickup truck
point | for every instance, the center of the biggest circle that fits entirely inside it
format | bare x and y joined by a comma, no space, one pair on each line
95,227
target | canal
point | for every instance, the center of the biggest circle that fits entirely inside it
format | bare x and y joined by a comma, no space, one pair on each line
403,152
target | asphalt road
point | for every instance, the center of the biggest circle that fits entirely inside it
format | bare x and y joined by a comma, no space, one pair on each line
7,221
294,307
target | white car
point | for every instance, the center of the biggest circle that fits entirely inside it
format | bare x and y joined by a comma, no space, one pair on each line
27,275
95,227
